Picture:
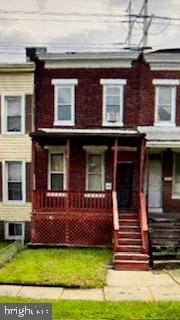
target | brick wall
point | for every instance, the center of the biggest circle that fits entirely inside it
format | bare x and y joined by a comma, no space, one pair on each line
138,95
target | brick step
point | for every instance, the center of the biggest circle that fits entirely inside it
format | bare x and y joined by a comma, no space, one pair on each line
129,241
130,256
129,248
131,265
129,234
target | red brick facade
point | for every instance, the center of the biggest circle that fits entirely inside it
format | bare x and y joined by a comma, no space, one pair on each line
139,106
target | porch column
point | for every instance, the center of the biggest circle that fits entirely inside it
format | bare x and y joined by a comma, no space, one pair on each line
142,164
33,174
115,163
68,171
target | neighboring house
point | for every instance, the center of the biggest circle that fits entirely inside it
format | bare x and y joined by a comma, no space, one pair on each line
92,171
16,102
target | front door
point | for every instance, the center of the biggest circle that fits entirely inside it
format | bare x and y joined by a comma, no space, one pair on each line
124,185
155,185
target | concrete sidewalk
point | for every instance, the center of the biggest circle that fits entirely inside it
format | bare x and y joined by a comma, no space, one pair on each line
121,286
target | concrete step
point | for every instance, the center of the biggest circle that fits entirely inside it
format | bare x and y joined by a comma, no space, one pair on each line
131,265
130,256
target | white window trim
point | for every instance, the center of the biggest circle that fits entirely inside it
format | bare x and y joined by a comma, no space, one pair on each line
5,183
173,107
60,83
116,83
174,195
166,82
57,151
103,171
4,113
6,231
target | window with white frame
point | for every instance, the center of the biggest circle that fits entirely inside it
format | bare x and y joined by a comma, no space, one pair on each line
165,101
13,114
14,230
95,172
57,171
113,98
14,180
176,175
64,101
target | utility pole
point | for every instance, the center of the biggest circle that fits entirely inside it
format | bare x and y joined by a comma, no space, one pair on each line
130,24
143,13
145,24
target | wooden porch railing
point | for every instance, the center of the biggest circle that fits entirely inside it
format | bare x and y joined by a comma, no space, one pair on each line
115,219
88,201
143,222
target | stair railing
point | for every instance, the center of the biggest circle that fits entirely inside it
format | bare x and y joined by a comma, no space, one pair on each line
115,219
143,222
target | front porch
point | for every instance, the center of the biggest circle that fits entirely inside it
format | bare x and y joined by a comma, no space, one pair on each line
100,177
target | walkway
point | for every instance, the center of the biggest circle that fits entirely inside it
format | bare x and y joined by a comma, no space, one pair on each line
121,286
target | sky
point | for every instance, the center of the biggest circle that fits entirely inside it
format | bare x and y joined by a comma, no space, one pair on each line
74,25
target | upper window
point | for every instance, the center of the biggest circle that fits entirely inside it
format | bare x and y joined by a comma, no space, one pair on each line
64,108
56,171
14,180
165,110
176,175
13,114
95,172
113,92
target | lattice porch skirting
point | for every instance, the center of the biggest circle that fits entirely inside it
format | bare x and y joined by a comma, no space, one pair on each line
72,229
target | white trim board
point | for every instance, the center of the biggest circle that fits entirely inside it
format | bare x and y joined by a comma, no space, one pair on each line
166,82
87,131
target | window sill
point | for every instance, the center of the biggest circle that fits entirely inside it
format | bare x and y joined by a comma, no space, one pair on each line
13,133
64,123
14,237
175,197
113,124
13,202
165,124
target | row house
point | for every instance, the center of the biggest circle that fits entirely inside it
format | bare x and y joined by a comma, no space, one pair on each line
106,149
16,101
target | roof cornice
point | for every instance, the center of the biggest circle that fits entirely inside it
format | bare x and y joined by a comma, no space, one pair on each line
16,67
88,60
164,61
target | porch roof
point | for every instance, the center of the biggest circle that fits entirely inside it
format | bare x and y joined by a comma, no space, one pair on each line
161,137
68,132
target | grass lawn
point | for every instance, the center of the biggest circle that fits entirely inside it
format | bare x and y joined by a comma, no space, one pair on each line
4,244
63,267
107,310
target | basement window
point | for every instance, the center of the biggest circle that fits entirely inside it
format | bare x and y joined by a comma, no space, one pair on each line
14,230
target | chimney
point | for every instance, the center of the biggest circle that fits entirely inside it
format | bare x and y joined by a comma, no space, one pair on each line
32,52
